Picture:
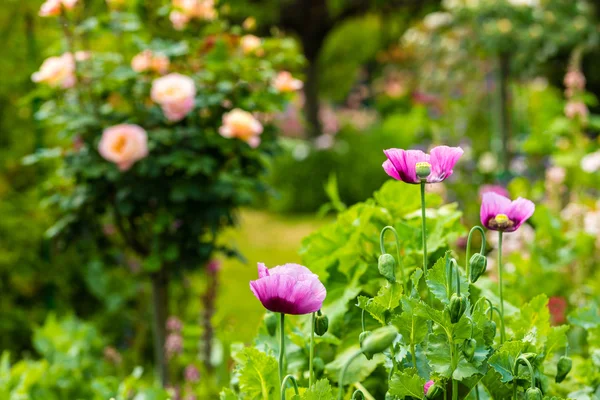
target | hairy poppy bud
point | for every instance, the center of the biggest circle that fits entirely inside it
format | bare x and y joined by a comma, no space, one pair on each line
379,340
563,368
387,267
478,265
432,390
270,320
489,330
457,307
423,169
361,339
469,346
321,323
358,395
533,394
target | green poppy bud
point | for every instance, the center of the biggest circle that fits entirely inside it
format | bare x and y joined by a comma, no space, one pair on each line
387,267
423,169
358,395
321,323
271,321
379,340
361,339
563,368
533,394
469,346
457,307
434,391
489,331
478,265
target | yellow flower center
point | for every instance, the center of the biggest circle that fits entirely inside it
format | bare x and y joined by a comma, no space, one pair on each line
501,222
119,144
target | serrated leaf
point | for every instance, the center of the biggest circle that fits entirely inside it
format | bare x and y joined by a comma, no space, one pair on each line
321,390
407,384
358,370
533,323
259,376
464,370
438,355
381,306
441,285
411,326
503,360
587,317
556,339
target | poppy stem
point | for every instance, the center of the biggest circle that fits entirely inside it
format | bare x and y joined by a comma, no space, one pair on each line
343,373
284,383
312,351
468,253
424,235
281,347
382,247
502,328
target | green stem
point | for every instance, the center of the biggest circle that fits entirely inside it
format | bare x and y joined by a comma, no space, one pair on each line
424,235
502,328
356,393
382,247
529,366
454,364
468,253
343,373
312,351
284,383
281,347
477,391
362,320
414,354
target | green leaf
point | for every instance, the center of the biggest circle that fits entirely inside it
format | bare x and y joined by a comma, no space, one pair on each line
533,323
586,317
464,370
321,390
258,374
557,339
358,370
227,394
437,280
438,355
411,326
407,384
381,306
503,360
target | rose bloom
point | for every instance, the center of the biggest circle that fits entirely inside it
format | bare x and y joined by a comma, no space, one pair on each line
175,93
285,82
123,145
160,63
242,125
200,9
178,19
141,62
52,8
574,79
57,71
250,43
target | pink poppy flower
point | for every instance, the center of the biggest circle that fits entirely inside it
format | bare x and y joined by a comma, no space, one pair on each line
288,289
498,213
402,164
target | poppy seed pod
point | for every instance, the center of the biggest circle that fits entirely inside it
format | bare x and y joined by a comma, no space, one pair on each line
457,307
533,394
563,368
379,340
321,323
478,265
361,339
387,267
423,169
489,330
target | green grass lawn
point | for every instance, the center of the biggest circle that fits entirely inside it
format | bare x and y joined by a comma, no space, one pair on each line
261,237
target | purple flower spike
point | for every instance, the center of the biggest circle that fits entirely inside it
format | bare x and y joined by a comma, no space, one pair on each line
402,164
498,213
288,289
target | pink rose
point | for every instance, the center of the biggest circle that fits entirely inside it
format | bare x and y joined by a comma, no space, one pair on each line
160,63
199,9
285,82
123,145
250,43
52,8
141,62
57,71
179,20
175,93
242,125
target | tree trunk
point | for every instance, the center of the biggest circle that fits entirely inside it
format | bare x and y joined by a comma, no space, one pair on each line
311,99
160,308
505,112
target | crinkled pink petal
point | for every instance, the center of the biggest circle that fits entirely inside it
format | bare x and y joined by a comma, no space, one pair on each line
295,270
492,204
262,270
443,159
519,211
389,169
405,161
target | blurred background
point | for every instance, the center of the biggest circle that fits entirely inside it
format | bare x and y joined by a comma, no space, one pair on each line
515,83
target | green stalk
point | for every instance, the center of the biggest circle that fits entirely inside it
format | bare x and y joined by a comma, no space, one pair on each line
284,383
502,328
454,363
424,236
312,351
343,373
382,248
414,353
281,347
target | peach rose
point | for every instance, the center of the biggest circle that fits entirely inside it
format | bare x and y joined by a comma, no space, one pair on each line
285,82
199,9
123,145
160,63
146,60
250,43
175,93
57,72
242,125
52,8
178,19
